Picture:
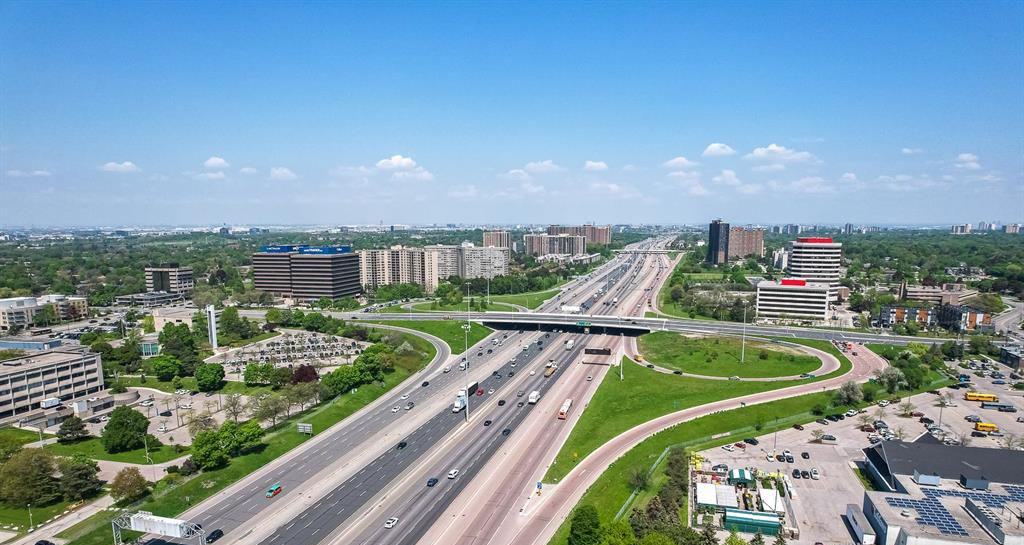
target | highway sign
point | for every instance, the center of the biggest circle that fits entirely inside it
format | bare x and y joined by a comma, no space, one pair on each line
582,323
305,428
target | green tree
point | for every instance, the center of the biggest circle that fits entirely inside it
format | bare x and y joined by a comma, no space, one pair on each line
758,539
780,539
341,380
72,429
45,316
165,367
656,538
8,447
207,450
849,393
176,340
128,484
29,477
707,535
237,439
734,539
148,324
585,526
619,533
210,377
79,477
125,431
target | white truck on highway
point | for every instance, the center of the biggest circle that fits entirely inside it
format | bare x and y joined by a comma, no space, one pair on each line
462,398
534,397
571,309
569,344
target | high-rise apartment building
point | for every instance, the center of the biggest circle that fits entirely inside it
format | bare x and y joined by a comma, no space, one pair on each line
816,259
744,242
440,262
593,233
395,265
307,272
1011,228
718,242
962,229
563,244
498,239
484,262
170,278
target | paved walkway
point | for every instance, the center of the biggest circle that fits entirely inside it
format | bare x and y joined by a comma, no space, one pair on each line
64,522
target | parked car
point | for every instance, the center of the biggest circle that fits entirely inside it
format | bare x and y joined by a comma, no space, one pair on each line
814,473
796,473
805,455
751,441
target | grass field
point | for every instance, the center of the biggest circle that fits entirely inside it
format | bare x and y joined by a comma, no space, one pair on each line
449,331
261,337
189,383
93,448
170,501
530,300
494,306
20,436
618,406
720,356
19,517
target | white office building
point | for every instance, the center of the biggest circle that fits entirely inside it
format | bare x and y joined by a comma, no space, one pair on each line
818,260
793,299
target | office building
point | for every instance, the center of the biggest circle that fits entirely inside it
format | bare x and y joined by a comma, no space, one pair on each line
936,494
963,318
1010,356
498,239
62,374
483,261
169,277
1012,228
211,325
163,316
949,294
745,242
395,265
18,313
718,242
793,299
593,233
961,229
307,273
543,244
817,260
149,299
848,229
889,316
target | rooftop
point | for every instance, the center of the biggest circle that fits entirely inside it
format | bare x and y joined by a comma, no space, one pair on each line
949,462
42,359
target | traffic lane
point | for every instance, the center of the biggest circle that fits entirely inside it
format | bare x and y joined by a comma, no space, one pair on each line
352,494
471,459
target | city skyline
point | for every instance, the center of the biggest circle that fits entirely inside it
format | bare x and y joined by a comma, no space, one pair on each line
616,114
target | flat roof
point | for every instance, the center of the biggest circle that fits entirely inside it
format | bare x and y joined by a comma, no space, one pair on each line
41,359
948,461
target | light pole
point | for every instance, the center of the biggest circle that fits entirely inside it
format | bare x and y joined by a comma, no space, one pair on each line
30,522
743,343
466,372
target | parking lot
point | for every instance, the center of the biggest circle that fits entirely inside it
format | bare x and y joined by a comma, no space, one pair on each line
169,414
291,348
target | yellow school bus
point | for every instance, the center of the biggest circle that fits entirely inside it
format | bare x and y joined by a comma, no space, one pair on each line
978,396
985,426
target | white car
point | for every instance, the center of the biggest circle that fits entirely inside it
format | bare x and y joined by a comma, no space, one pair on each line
491,391
146,403
391,522
405,396
453,473
728,448
814,474
447,369
533,373
395,409
883,403
590,378
162,428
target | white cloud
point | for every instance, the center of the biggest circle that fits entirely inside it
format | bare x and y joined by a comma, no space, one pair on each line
911,151
727,177
396,162
351,172
679,163
990,177
773,167
595,166
29,174
968,161
517,174
464,192
215,163
418,174
684,175
540,167
780,154
906,182
696,189
282,174
749,189
718,149
211,176
807,184
126,166
848,177
248,171
531,188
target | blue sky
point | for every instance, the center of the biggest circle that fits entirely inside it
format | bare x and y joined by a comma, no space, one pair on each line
148,112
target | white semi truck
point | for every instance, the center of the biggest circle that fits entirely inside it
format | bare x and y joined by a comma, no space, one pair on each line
462,398
534,397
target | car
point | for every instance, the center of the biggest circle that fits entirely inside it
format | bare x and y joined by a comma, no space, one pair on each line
44,542
796,473
405,396
651,366
453,473
532,372
491,391
480,353
740,445
721,468
972,418
425,383
146,403
883,403
162,428
431,481
805,455
822,421
489,351
520,404
511,374
506,431
401,445
814,473
851,413
751,441
590,378
480,392
520,393
728,448
790,459
409,405
446,369
104,418
999,382
926,420
391,522
395,409
214,535
165,413
798,427
804,474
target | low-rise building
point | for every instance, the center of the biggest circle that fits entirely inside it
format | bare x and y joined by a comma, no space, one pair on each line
793,299
18,313
172,315
889,316
1010,355
150,299
948,294
964,318
169,277
52,376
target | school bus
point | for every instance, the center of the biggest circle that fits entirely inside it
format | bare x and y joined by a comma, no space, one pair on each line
985,426
978,396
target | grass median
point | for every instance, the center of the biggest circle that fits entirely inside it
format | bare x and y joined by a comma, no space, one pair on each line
720,356
172,498
646,394
449,331
189,383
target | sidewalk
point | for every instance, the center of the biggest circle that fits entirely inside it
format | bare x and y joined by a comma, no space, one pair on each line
48,531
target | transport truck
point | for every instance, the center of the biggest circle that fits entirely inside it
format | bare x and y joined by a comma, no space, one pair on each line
598,351
571,309
534,397
462,398
550,369
569,344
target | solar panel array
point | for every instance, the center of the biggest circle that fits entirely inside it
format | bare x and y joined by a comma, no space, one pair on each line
932,513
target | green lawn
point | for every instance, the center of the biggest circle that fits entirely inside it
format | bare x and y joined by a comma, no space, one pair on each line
93,448
498,306
189,383
170,501
261,337
720,356
21,436
19,516
449,331
645,395
530,300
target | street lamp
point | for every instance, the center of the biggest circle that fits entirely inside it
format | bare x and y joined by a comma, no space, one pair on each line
743,344
30,522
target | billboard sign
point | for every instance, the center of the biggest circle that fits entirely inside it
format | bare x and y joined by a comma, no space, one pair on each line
151,524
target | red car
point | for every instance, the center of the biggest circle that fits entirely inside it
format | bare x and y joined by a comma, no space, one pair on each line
741,445
480,392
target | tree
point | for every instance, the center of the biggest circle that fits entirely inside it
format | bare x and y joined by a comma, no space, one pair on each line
816,435
72,429
128,484
305,373
619,533
8,447
734,539
906,408
125,431
891,378
165,367
258,374
780,539
268,408
656,538
79,477
44,316
864,419
707,535
210,377
849,393
207,450
148,324
237,439
198,423
585,527
234,407
758,539
28,477
176,340
639,479
341,380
